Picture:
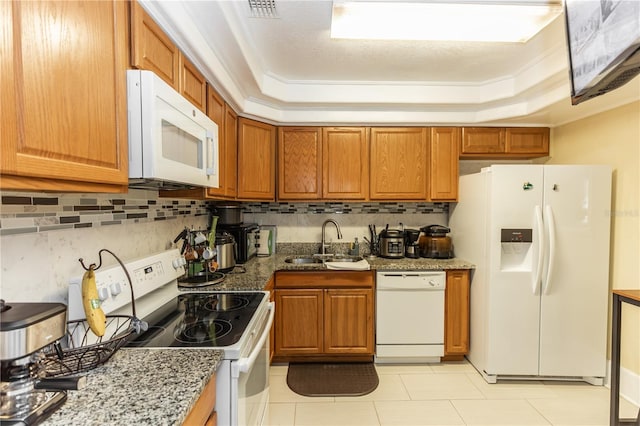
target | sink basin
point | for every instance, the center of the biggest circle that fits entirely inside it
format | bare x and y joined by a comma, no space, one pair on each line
345,259
303,260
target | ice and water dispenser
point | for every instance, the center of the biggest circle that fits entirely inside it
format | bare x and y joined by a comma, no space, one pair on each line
516,253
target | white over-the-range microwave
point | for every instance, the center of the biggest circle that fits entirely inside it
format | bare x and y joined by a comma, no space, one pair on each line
172,144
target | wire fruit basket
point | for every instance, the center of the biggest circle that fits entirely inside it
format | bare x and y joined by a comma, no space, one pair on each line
84,350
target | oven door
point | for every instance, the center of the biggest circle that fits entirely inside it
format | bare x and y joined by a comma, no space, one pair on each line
250,379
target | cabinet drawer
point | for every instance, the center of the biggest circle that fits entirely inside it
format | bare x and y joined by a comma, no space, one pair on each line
324,279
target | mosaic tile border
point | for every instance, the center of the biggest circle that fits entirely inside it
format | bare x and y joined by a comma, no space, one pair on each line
35,212
346,208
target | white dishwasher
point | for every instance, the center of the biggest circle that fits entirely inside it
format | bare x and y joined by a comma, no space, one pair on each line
409,316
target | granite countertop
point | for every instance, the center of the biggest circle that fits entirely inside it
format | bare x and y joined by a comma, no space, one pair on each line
258,271
140,387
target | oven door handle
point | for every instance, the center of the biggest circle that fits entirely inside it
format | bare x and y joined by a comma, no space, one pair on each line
244,364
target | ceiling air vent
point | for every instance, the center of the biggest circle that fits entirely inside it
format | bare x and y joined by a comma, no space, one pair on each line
263,8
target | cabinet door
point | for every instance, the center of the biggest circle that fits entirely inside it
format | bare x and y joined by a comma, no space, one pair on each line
482,140
345,163
63,95
443,163
527,140
193,86
348,321
215,111
398,163
456,313
203,412
231,152
256,160
299,163
152,49
299,322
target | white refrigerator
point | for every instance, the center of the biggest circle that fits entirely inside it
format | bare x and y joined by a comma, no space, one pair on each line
539,237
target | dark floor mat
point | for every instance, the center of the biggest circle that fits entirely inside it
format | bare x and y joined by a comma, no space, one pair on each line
332,379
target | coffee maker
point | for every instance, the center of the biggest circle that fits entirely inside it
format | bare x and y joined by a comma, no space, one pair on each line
411,247
26,396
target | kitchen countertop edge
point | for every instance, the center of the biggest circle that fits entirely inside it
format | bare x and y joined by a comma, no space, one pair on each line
140,386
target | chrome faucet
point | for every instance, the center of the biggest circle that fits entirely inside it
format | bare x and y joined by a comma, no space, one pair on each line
323,244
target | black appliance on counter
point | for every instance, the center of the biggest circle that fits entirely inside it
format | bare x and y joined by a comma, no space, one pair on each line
435,243
411,246
246,236
26,398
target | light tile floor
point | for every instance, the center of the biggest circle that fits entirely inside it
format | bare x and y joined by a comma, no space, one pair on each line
451,393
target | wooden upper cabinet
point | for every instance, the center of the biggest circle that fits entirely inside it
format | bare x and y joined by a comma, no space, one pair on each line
527,140
256,160
231,152
345,163
192,85
443,163
63,96
152,49
398,163
500,142
215,111
482,140
299,163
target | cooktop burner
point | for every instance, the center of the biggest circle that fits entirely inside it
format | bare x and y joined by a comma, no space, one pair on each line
200,319
204,332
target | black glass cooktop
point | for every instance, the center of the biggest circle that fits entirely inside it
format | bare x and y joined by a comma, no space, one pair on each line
200,319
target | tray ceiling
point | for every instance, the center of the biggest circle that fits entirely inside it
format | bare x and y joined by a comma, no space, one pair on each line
287,70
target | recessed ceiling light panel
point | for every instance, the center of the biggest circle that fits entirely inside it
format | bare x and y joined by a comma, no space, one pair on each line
452,21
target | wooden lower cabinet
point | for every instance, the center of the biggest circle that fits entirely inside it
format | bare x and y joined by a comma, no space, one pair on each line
299,322
327,315
203,412
348,315
456,314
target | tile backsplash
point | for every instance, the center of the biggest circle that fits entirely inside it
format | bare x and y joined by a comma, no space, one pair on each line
42,235
25,212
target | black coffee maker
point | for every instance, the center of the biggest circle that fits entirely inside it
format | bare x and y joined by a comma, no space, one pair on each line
411,247
27,397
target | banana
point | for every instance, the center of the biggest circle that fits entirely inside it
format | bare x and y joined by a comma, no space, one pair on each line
91,303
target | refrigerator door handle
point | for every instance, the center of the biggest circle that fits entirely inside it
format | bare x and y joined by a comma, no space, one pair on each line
540,228
552,246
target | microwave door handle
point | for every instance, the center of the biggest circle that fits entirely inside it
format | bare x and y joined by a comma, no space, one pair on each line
211,154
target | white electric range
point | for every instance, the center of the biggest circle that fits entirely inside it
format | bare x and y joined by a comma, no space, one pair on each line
235,322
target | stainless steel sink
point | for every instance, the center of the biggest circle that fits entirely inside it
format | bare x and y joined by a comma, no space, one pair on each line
345,259
303,260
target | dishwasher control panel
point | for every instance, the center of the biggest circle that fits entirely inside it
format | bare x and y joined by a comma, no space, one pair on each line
411,280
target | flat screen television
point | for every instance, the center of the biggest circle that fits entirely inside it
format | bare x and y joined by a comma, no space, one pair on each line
603,38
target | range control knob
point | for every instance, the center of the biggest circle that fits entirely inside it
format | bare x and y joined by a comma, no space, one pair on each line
115,288
103,294
179,262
